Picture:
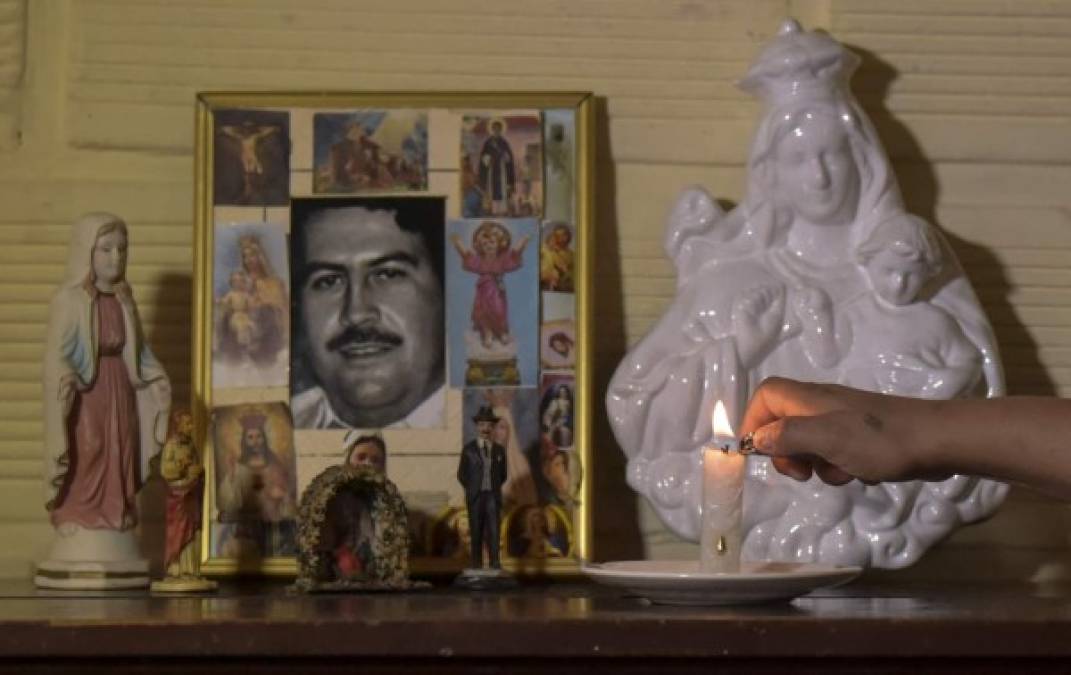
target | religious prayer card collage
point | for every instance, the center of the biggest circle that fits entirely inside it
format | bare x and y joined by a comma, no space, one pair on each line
390,270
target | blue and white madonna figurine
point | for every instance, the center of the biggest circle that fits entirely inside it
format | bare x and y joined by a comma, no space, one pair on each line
821,275
106,401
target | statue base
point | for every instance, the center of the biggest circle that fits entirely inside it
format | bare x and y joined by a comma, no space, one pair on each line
84,576
189,584
87,559
485,579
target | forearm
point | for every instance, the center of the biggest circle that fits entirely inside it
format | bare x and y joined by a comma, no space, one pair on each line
1017,439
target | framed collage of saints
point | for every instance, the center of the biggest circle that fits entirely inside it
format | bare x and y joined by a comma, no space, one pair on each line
384,279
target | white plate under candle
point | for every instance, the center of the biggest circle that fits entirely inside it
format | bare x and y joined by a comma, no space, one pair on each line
679,582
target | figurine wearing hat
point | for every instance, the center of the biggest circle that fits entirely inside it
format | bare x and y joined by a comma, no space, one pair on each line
482,471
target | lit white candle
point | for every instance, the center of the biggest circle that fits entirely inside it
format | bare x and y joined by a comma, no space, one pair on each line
723,492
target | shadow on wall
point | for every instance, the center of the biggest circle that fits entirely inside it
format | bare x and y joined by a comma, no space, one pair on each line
921,191
1019,352
615,504
169,336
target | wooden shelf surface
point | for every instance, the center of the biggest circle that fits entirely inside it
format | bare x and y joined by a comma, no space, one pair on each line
861,628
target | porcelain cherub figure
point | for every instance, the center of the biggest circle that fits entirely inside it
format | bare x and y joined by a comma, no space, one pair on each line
776,287
106,401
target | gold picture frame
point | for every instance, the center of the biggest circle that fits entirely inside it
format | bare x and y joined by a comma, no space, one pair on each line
266,159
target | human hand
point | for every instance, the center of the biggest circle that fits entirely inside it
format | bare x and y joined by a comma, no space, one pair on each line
840,433
757,318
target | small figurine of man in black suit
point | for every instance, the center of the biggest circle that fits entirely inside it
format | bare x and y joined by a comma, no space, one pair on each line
482,471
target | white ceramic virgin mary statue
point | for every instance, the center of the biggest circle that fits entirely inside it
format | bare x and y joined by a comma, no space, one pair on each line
106,401
820,275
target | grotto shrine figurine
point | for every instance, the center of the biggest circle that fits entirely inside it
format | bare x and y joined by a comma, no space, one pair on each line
106,401
818,274
353,531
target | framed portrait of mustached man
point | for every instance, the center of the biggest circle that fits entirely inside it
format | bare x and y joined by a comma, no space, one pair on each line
386,279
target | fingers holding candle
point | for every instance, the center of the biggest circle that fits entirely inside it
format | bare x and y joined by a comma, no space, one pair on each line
799,467
799,446
802,468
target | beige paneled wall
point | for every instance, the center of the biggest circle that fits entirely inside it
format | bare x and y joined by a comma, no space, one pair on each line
970,97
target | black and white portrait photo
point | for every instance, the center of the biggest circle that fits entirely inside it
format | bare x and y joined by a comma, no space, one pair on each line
367,345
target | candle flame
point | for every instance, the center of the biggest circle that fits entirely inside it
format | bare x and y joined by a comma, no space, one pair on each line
719,421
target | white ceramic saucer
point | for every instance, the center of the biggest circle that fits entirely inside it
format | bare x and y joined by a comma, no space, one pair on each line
679,582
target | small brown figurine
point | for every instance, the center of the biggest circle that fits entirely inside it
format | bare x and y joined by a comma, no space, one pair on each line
180,466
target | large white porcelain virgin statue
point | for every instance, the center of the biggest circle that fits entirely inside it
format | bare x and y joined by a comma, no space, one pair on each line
821,275
106,401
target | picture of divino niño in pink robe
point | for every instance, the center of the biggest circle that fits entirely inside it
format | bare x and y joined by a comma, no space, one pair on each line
492,303
491,257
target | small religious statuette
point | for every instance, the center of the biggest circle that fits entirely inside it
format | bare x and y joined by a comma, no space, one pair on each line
482,472
723,492
106,401
181,467
353,527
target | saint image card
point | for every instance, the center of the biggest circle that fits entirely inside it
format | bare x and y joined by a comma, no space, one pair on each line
557,411
370,150
560,470
559,152
492,302
557,344
254,496
251,318
536,531
502,165
251,151
557,268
